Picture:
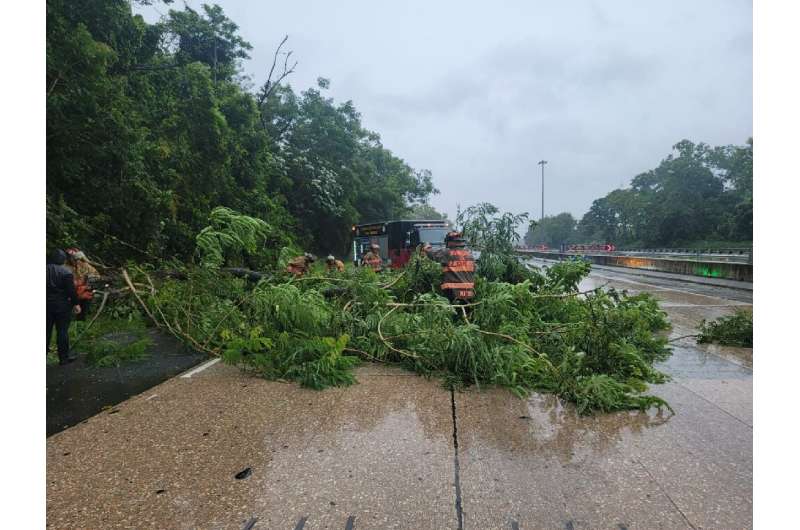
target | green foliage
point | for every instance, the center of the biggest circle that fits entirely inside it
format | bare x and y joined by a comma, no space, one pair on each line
233,239
111,341
315,362
422,275
425,211
553,230
733,330
494,235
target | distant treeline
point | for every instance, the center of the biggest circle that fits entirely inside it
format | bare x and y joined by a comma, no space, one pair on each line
151,126
698,193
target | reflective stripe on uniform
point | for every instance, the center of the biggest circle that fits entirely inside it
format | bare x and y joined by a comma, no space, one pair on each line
460,266
463,268
454,285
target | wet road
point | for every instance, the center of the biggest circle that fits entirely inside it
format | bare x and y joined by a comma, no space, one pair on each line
400,451
77,391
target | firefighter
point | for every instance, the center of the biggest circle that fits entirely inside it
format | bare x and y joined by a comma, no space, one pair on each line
372,258
458,265
333,265
82,273
301,264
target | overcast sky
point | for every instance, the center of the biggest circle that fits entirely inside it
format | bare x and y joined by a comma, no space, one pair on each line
478,92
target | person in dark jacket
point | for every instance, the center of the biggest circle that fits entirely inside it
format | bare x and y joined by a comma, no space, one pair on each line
62,301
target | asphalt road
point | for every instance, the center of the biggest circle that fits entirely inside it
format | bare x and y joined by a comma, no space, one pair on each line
400,451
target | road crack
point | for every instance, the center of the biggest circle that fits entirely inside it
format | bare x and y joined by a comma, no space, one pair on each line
456,465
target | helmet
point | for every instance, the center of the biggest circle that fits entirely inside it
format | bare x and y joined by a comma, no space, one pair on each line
454,239
375,246
310,257
75,254
330,258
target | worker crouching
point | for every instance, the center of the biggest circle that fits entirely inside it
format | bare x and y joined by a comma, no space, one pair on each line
301,264
333,265
83,274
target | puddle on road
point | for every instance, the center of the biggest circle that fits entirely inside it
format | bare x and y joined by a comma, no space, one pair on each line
544,426
689,362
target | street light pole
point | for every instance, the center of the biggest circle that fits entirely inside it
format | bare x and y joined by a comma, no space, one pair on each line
542,163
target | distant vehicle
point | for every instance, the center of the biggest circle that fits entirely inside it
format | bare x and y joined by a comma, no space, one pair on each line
592,247
398,239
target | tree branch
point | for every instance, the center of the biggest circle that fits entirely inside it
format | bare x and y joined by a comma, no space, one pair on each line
269,87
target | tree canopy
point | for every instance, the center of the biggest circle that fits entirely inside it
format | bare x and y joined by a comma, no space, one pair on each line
696,193
552,230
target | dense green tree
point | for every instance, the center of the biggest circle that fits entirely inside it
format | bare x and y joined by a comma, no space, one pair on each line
697,193
552,230
210,38
425,211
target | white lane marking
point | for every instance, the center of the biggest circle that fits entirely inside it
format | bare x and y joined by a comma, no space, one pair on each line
200,368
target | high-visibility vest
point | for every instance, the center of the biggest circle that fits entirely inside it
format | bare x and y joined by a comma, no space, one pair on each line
83,290
459,273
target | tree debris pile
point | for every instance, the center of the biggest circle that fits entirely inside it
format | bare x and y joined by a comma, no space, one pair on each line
733,330
528,329
596,349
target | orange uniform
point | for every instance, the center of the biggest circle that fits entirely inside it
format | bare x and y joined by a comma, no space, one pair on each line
459,269
335,265
299,265
372,259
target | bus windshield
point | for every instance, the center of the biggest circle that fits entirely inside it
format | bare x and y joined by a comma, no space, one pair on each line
434,236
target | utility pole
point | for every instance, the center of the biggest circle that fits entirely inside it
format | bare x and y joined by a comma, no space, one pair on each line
542,163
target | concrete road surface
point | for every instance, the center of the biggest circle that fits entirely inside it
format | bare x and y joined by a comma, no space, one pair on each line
400,451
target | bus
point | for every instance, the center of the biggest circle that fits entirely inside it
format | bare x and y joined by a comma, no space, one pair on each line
397,239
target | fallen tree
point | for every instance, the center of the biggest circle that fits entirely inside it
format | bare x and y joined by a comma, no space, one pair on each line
528,329
535,333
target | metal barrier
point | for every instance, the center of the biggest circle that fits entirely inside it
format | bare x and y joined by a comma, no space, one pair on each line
736,255
728,251
710,268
